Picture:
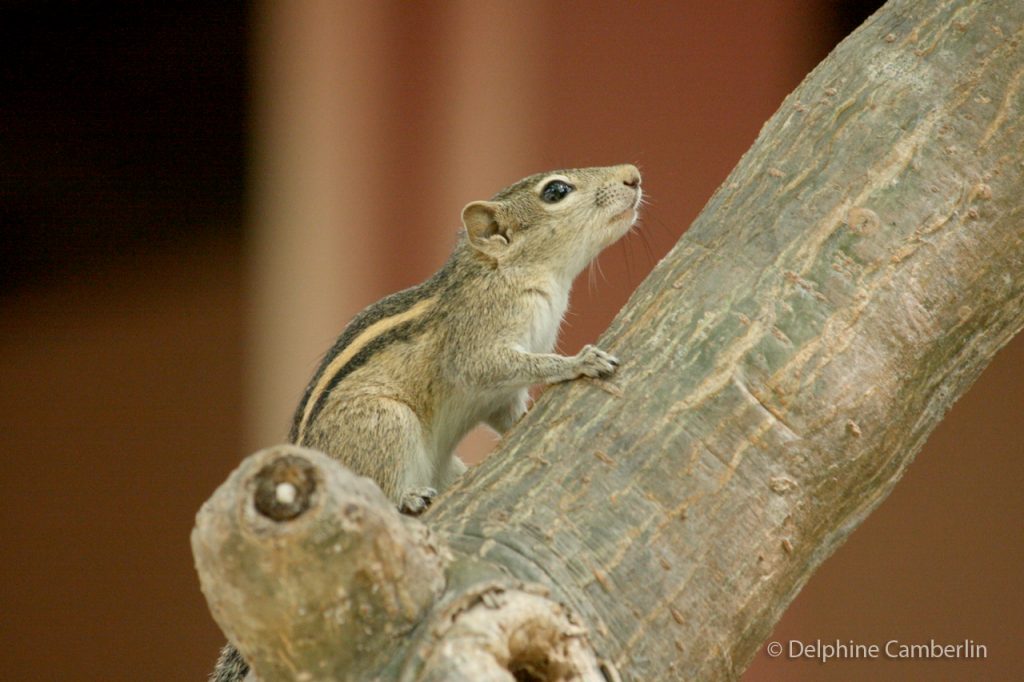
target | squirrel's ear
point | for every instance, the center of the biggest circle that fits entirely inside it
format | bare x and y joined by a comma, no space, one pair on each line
484,226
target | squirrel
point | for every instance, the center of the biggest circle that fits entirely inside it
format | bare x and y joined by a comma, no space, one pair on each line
413,373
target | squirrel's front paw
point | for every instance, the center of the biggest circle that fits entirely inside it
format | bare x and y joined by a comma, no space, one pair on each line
594,362
416,500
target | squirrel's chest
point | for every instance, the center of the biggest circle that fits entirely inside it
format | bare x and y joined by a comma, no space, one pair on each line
544,319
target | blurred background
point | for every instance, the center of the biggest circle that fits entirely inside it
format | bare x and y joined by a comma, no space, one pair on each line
196,197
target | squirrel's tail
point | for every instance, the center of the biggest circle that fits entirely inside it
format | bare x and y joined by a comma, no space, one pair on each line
230,666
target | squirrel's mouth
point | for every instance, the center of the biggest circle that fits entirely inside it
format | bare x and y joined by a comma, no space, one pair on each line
631,212
622,215
628,214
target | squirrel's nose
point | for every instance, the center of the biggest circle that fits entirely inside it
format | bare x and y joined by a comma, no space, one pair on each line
631,176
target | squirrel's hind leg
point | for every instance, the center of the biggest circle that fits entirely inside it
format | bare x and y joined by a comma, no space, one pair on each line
380,438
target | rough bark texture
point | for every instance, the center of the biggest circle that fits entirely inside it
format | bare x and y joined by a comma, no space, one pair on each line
781,368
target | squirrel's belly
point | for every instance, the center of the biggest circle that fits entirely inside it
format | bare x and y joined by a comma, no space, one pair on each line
459,415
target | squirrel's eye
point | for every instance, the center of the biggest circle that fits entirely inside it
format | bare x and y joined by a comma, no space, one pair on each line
555,191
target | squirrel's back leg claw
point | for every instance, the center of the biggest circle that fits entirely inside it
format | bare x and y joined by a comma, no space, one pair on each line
415,501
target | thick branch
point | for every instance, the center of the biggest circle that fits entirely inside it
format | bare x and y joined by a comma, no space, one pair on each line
785,362
781,368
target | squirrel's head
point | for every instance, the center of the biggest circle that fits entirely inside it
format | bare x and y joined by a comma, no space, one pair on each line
560,220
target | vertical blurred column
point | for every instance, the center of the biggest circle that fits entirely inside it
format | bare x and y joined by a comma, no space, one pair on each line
315,112
496,96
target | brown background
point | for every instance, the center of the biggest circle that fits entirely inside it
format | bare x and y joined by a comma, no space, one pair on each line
195,201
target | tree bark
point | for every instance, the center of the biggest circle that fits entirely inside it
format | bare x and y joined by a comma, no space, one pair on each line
780,369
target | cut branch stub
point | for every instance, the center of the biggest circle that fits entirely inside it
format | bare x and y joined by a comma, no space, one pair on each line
504,632
309,569
285,488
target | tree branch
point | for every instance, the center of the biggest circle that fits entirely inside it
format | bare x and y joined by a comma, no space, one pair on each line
781,368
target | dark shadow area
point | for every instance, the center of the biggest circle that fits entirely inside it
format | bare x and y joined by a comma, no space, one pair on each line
121,130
